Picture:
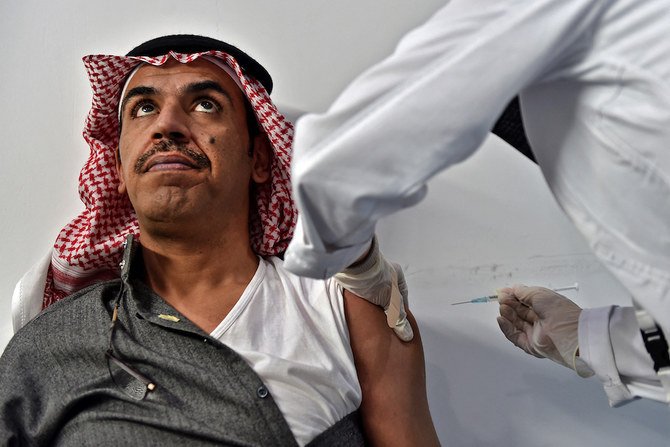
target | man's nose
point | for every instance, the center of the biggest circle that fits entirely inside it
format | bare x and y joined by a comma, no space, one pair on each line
172,123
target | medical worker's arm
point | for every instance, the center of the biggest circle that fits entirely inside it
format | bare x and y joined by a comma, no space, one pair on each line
392,376
546,324
429,105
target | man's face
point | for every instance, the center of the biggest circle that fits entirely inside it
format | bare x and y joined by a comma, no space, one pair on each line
184,144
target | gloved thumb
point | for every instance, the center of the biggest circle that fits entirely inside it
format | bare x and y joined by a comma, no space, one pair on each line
403,329
396,315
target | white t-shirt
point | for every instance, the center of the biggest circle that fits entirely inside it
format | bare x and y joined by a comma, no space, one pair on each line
292,331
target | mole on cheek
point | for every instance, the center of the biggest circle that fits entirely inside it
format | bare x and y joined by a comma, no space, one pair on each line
212,140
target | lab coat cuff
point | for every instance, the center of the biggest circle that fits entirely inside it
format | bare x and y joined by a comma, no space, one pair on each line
595,349
304,260
370,260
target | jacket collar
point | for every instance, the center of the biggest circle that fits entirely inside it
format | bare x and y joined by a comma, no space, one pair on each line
148,304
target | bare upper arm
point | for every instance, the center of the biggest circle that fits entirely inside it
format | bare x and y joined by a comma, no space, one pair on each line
392,376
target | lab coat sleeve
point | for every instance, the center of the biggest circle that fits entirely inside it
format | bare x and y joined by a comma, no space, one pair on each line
611,344
427,106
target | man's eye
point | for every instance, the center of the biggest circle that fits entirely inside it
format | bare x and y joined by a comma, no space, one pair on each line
207,106
144,109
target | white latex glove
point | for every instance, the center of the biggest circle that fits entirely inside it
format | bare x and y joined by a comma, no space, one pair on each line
382,283
543,323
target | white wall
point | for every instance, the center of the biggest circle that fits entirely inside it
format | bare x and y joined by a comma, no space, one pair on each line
486,223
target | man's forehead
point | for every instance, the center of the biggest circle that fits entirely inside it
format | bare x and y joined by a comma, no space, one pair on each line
179,74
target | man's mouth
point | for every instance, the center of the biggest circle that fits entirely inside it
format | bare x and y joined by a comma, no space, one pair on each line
168,155
169,162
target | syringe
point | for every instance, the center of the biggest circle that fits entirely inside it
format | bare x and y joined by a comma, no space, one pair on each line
489,298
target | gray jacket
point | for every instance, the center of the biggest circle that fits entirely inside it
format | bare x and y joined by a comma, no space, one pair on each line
58,385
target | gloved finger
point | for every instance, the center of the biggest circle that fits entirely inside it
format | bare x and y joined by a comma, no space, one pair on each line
403,329
395,304
517,297
526,313
511,315
517,337
530,296
402,284
401,325
511,332
523,311
505,295
396,316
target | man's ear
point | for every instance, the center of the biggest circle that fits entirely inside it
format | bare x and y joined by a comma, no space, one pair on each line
119,173
261,159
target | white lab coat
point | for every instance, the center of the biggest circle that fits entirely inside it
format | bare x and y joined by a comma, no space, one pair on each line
593,81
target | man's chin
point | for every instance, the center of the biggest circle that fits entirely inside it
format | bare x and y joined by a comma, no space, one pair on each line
167,202
168,218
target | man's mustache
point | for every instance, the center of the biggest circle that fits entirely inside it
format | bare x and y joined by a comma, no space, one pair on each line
200,160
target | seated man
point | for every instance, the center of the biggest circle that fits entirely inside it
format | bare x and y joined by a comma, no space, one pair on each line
204,339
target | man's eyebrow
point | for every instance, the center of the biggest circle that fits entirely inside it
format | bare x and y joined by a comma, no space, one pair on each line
137,91
202,86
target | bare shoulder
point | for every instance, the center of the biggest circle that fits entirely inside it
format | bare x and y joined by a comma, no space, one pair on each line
392,376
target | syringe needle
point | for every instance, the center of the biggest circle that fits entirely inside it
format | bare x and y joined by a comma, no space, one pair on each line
481,299
486,299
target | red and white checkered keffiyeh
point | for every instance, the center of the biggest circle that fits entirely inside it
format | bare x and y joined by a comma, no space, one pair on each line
89,248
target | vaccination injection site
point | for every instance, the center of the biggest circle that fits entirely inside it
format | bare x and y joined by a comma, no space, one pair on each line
336,224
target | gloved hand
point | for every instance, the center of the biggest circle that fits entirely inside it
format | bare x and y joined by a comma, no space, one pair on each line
381,283
543,323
